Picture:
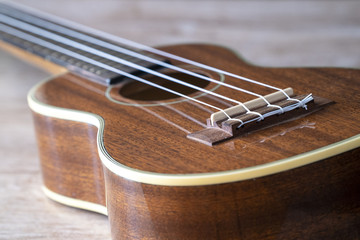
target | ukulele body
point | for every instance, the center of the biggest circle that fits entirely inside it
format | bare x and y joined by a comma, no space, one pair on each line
131,159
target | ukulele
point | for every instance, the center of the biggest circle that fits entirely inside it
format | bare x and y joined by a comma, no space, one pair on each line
189,141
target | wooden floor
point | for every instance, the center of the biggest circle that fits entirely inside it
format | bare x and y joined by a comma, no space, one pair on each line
272,33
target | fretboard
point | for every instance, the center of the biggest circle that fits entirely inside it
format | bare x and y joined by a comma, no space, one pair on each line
10,16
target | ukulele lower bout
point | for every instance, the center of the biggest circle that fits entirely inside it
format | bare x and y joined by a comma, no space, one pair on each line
78,171
282,207
158,187
136,163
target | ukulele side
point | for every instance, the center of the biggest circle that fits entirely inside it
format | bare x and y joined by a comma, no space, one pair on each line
282,206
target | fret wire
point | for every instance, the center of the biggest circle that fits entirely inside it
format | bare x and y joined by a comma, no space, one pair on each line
98,42
85,48
92,40
136,45
57,48
124,41
300,103
43,43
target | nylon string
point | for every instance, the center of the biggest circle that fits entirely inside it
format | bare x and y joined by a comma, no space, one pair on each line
87,38
57,48
63,40
55,37
127,42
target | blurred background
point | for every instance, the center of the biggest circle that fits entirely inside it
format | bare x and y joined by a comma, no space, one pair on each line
265,32
270,33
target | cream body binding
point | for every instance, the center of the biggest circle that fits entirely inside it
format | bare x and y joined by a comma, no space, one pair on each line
72,202
187,179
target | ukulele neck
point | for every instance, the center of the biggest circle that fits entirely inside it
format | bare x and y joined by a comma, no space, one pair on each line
30,26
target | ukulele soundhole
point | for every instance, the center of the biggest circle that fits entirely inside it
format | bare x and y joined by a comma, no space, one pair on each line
139,91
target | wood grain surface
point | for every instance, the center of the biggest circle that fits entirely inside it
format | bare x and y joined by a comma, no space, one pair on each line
272,33
283,207
153,139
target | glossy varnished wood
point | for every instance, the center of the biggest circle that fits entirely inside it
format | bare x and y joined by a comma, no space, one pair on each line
276,33
319,200
129,131
69,159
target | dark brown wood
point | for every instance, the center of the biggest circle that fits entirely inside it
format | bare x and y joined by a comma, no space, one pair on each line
13,189
69,159
316,201
125,123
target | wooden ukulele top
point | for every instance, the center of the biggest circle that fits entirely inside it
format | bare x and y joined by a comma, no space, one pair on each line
146,133
152,138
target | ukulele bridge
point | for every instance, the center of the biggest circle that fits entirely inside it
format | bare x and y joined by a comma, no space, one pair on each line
237,121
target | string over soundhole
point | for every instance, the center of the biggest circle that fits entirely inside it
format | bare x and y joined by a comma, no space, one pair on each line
138,91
